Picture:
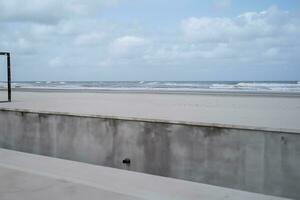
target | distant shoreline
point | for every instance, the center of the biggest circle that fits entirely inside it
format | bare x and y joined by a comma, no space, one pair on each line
161,91
288,88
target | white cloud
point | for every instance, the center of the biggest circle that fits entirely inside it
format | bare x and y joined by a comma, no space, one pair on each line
247,39
222,4
49,11
272,52
209,29
250,25
128,46
66,41
56,62
249,36
45,11
89,39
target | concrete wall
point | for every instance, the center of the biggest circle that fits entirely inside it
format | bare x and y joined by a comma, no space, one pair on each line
253,160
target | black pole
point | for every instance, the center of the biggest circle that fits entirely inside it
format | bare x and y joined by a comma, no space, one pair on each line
8,77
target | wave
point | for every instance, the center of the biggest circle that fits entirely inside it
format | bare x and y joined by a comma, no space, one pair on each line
221,86
175,84
161,85
266,84
151,83
271,86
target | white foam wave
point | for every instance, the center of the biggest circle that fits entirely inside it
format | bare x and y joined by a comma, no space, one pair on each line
179,86
266,85
221,86
152,83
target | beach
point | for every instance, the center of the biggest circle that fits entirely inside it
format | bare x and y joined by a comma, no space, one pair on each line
131,100
227,139
260,110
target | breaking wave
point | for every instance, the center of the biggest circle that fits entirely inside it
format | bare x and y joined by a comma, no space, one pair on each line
280,86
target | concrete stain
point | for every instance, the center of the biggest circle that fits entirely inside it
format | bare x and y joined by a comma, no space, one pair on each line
157,148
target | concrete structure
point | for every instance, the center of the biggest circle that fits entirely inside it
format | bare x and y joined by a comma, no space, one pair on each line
257,160
32,177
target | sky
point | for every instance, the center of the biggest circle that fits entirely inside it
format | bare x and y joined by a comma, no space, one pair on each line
147,40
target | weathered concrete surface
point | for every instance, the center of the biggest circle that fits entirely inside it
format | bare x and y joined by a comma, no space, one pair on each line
257,161
31,177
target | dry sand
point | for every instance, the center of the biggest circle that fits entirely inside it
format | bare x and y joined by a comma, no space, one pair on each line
253,110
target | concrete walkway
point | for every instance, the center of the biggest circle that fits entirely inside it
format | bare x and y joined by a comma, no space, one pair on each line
27,176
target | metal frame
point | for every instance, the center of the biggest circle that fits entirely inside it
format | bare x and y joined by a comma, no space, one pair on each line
7,54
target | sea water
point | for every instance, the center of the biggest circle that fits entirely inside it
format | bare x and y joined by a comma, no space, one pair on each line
276,86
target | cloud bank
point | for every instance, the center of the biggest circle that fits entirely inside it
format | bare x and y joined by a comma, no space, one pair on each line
52,38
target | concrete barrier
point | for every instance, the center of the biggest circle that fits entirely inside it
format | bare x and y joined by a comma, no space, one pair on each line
256,160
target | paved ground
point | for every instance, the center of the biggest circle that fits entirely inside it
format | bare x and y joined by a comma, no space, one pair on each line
277,112
32,177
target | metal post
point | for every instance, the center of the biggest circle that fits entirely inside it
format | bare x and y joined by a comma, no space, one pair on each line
8,74
8,78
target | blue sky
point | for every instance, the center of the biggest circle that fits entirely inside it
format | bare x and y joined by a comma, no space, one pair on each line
151,40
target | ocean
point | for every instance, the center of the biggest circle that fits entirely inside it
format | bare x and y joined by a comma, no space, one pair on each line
264,86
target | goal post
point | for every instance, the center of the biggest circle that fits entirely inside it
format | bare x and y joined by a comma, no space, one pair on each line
7,54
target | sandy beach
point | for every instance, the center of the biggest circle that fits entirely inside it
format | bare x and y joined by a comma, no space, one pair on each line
269,111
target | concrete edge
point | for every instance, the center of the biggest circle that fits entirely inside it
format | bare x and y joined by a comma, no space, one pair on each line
203,124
